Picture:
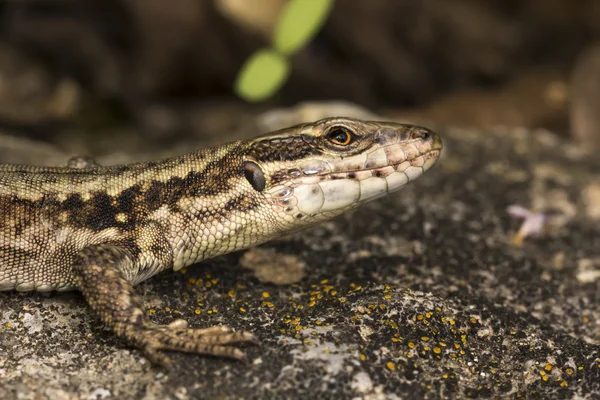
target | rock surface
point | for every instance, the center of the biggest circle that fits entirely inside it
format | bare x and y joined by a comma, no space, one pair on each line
419,295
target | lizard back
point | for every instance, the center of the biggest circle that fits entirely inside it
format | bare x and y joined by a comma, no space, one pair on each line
48,214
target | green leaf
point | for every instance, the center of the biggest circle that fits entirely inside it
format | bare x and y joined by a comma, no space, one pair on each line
299,22
262,75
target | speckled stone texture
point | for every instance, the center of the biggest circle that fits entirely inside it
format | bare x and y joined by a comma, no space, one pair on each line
420,295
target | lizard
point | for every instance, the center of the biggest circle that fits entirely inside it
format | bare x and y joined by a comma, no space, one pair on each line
103,229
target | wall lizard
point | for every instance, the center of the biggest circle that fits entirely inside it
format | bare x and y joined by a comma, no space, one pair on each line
101,230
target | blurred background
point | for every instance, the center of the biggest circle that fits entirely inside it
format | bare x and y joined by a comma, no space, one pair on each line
92,75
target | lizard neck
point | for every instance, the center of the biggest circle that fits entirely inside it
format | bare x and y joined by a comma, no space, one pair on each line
208,208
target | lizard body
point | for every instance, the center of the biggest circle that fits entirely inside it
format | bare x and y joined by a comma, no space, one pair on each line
101,230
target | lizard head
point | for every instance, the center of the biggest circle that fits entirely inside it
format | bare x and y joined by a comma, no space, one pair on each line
316,171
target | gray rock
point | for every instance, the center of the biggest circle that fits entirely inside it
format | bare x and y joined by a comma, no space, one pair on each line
420,295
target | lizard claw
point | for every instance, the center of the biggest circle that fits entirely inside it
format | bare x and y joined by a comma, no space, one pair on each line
214,341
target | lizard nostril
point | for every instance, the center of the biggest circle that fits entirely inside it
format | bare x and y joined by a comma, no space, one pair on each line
422,134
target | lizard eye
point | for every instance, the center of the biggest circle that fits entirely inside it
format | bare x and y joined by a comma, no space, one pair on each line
255,176
339,135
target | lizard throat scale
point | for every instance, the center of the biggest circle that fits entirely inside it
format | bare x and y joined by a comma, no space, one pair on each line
101,230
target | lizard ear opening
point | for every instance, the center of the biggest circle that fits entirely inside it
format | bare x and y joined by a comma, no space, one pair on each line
255,176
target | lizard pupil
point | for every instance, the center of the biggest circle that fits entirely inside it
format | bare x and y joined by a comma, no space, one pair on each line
255,176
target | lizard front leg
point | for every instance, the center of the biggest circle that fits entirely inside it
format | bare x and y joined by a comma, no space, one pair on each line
98,274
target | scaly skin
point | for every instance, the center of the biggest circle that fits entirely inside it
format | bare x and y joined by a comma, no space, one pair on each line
101,230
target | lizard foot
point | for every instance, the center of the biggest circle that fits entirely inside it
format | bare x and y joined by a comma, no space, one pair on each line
97,271
214,341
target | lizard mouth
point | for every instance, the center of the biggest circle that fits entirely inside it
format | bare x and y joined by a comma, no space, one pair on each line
333,187
412,168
